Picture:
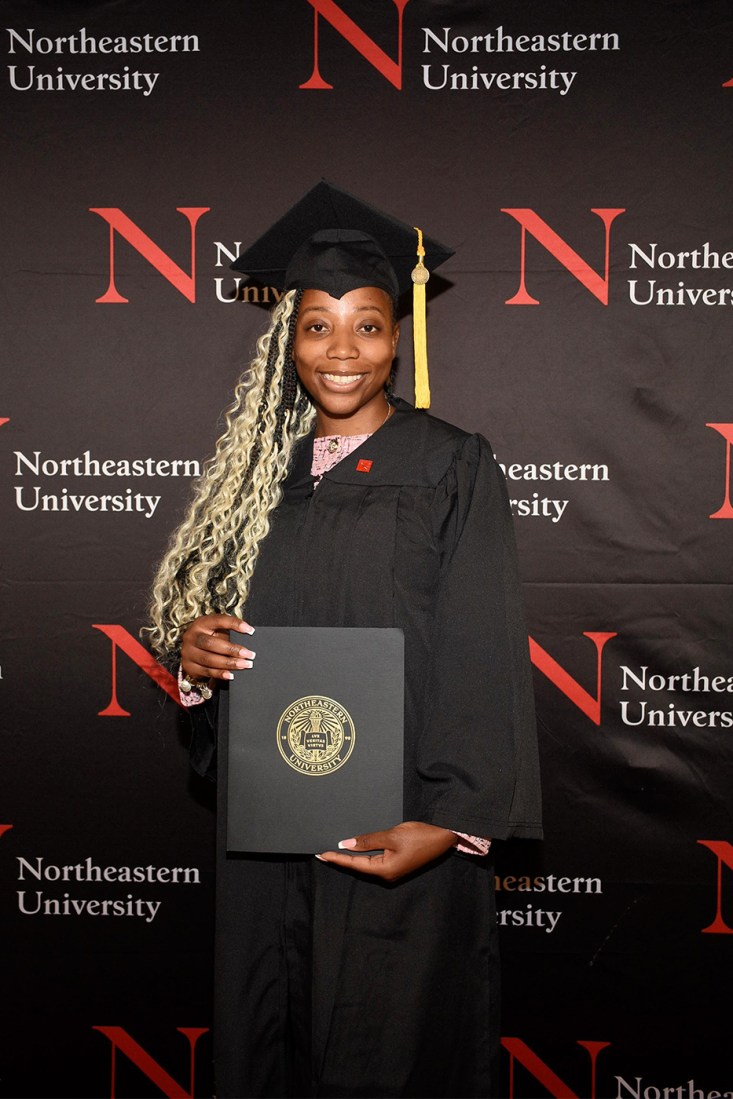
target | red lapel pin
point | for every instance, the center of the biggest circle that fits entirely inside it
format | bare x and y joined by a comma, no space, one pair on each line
364,465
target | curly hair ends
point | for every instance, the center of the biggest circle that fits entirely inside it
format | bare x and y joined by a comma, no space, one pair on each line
211,557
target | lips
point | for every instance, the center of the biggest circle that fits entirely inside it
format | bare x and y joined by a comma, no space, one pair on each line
342,380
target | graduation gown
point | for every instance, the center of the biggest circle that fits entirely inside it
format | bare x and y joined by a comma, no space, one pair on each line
333,984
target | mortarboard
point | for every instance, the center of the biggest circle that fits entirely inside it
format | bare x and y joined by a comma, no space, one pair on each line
332,241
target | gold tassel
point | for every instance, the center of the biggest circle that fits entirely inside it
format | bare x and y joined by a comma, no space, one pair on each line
420,276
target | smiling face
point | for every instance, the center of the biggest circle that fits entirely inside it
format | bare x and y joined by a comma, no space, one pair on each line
343,351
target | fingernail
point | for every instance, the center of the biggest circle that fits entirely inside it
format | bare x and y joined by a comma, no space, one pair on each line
247,654
347,843
247,663
321,858
228,675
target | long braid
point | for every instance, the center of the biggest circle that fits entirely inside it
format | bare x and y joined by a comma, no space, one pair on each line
211,558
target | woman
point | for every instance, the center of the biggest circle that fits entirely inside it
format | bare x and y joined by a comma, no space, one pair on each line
329,504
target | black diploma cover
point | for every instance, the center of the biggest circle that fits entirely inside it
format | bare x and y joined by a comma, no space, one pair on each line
316,730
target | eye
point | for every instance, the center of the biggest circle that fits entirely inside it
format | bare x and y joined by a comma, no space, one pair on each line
369,327
316,326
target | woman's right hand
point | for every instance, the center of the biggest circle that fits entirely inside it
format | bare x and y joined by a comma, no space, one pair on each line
207,652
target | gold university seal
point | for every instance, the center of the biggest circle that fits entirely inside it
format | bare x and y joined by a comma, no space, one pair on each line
315,735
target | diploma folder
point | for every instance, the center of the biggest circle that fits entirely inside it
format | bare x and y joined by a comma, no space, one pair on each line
316,731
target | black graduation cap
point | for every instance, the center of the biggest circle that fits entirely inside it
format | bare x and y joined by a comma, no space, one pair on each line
332,241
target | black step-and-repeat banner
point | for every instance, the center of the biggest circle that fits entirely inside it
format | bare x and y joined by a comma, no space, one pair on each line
578,156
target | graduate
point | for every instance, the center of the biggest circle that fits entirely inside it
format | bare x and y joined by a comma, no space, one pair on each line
330,503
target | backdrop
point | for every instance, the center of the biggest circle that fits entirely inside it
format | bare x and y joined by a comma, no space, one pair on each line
577,155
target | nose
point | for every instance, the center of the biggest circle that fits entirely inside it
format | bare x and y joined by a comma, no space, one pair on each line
342,345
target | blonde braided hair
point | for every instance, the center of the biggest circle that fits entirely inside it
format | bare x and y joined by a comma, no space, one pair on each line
211,557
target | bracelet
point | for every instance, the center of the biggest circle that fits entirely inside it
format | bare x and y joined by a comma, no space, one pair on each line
187,685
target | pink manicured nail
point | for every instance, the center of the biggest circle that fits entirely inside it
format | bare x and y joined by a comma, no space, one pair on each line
321,858
347,843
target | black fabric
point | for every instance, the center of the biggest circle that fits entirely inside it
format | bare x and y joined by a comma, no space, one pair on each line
340,260
410,530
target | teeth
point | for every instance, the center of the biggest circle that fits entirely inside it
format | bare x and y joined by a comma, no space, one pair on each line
342,379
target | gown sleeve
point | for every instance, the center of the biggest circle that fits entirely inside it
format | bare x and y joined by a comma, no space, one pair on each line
477,755
203,746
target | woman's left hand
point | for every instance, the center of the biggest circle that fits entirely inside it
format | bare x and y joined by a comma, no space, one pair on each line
406,847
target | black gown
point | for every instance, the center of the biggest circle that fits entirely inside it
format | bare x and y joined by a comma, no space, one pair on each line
333,984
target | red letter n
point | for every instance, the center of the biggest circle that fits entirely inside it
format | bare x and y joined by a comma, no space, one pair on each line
121,1040
520,1051
120,223
725,511
361,42
119,636
723,852
590,706
562,252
